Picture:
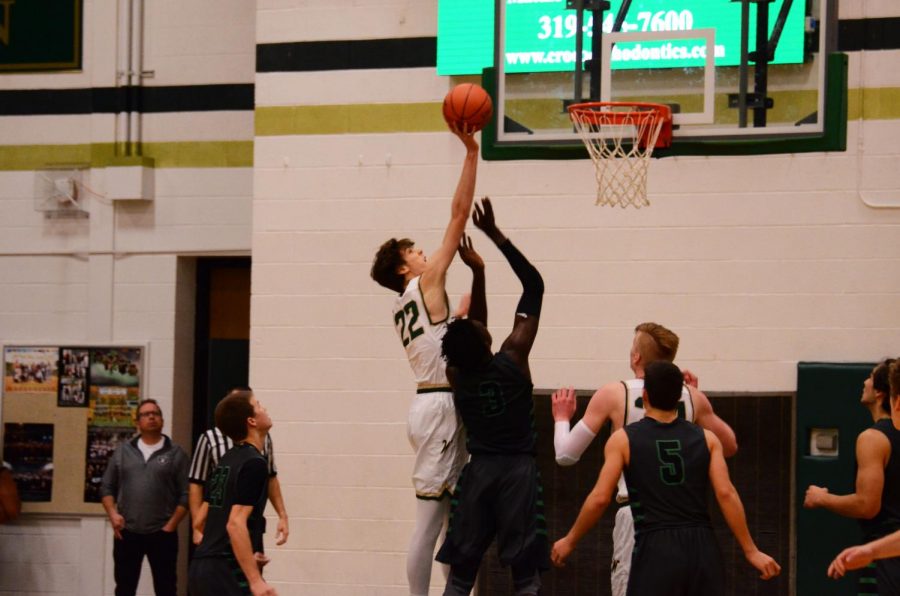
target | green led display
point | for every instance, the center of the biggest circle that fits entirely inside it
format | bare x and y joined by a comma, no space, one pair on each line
540,34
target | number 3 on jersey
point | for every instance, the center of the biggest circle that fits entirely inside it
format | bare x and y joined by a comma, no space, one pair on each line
408,332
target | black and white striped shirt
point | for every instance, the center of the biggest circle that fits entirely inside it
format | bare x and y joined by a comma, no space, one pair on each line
211,446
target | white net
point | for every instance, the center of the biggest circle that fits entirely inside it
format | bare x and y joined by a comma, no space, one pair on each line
620,139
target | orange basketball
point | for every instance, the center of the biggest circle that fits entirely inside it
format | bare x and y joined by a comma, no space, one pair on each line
468,103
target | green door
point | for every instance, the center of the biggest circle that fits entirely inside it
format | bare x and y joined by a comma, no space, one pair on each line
827,406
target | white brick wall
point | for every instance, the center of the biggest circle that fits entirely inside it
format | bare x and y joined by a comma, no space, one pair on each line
114,278
757,262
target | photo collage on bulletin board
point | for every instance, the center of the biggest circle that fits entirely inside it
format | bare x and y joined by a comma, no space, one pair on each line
74,377
114,397
82,399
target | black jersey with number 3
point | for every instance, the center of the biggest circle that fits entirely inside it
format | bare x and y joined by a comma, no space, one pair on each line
497,408
667,474
241,478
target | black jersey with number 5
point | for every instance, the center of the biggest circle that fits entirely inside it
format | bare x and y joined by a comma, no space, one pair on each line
667,474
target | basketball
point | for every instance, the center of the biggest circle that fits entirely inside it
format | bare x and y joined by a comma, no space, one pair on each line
470,104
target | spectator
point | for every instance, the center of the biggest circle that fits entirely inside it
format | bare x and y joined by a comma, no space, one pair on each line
145,494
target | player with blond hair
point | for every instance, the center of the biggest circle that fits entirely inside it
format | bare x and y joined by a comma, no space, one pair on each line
669,466
621,403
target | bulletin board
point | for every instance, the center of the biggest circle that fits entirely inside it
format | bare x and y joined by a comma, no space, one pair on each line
65,409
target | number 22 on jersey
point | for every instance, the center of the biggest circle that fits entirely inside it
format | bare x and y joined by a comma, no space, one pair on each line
408,329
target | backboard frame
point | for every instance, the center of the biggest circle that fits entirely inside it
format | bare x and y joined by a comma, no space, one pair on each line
827,133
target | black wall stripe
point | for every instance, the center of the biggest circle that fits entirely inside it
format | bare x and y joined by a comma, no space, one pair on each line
417,52
413,52
869,34
110,100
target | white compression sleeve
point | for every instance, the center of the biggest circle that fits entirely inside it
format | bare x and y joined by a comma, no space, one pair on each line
430,517
570,445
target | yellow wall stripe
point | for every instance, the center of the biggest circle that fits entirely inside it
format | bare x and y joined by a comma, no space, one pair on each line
193,154
343,119
869,104
874,104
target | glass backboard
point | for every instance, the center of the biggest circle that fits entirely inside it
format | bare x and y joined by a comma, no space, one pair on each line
731,89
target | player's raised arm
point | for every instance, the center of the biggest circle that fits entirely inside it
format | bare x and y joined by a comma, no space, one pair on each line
521,339
733,510
477,307
435,273
570,444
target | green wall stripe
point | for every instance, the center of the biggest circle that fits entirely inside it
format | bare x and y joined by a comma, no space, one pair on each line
193,154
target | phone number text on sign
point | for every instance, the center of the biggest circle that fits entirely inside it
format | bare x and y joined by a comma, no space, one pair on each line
565,26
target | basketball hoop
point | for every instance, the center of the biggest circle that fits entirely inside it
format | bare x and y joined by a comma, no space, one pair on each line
620,138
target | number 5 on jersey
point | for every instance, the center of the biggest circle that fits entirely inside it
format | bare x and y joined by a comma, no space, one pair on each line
671,466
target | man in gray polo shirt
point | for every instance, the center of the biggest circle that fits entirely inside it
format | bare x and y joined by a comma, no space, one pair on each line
145,494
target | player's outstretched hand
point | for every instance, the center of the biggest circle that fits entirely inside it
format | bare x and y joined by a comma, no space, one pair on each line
467,253
855,557
765,564
466,135
483,218
563,404
814,496
562,548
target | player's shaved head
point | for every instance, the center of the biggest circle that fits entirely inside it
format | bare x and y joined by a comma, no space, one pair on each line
655,342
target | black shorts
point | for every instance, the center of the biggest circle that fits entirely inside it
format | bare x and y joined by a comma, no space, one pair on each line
887,574
676,562
498,495
214,576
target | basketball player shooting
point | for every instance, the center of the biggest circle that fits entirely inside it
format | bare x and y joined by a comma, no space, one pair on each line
420,313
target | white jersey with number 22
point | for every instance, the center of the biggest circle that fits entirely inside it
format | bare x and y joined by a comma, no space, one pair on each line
420,336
